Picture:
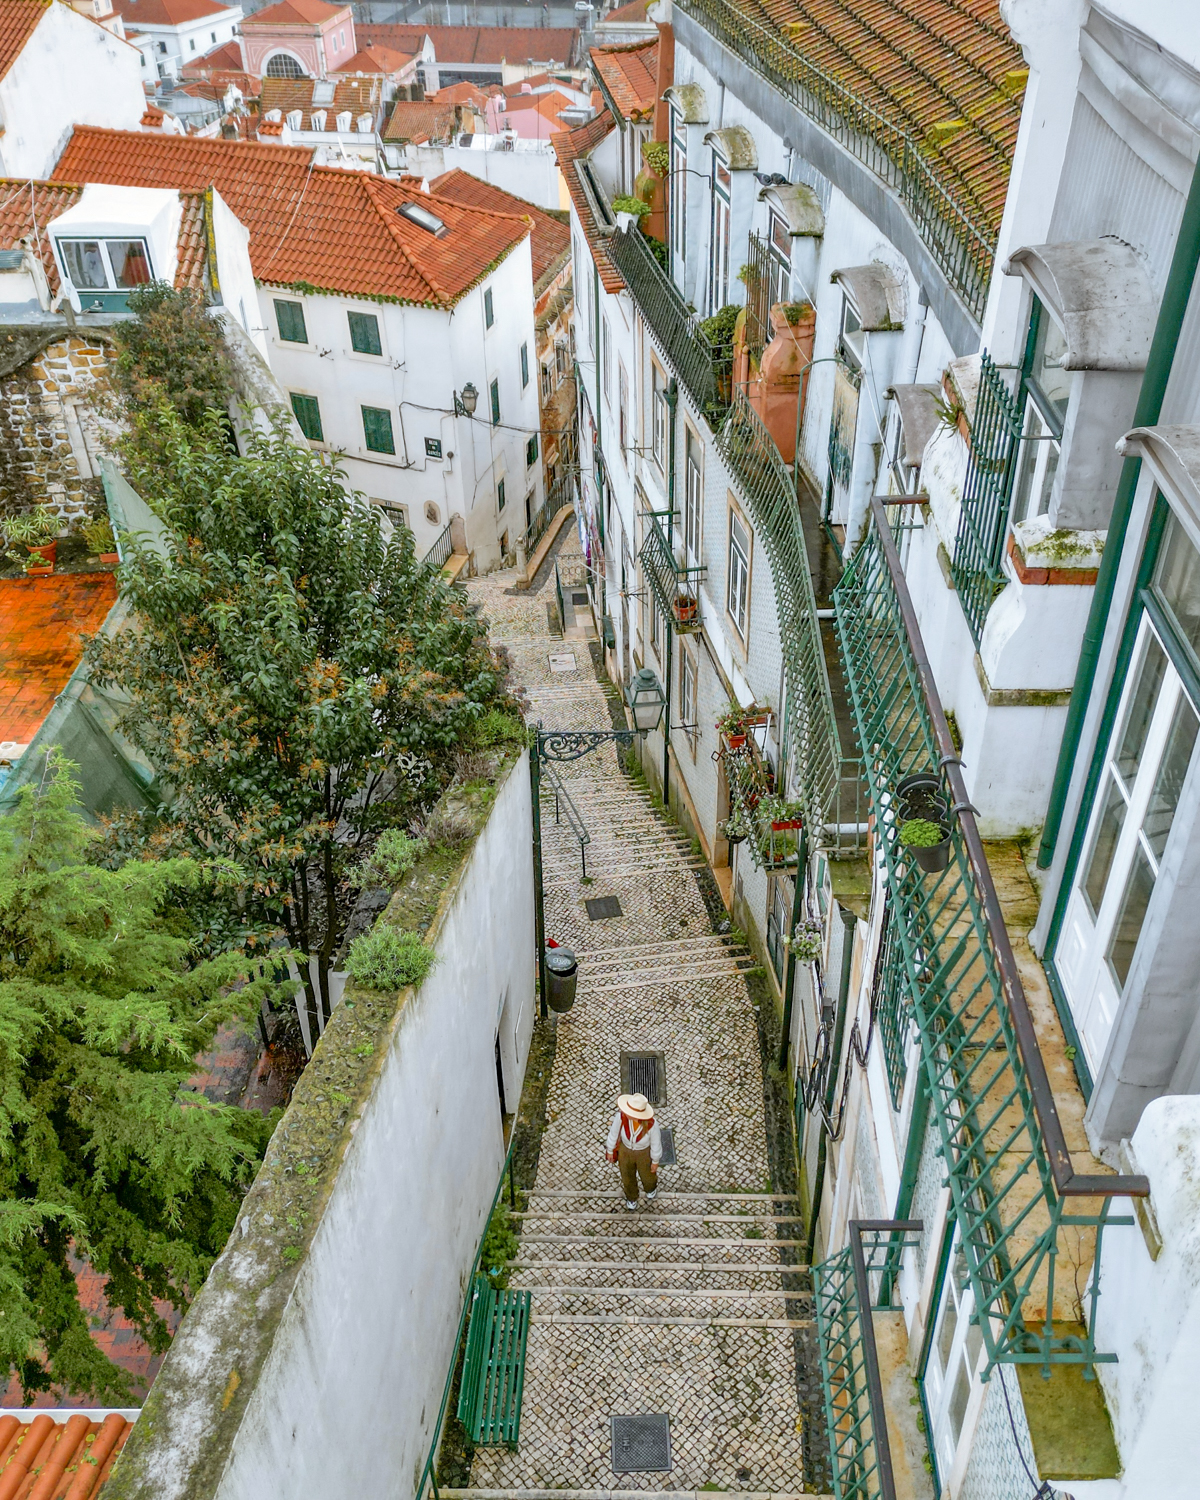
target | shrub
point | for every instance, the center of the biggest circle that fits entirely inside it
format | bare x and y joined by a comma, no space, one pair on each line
657,156
172,348
98,534
447,829
920,833
388,959
499,728
624,204
394,855
472,765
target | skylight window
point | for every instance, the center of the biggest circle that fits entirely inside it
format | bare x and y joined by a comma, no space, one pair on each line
323,91
422,217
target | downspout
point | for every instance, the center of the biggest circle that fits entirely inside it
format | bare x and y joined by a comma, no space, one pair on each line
672,397
835,1058
1147,412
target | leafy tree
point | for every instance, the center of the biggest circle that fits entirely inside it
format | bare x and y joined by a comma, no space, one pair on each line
286,669
173,350
103,1150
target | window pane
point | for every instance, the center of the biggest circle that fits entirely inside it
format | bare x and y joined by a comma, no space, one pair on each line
1049,349
1164,799
495,393
1133,913
500,495
531,451
289,318
1108,831
1177,582
364,333
308,414
1141,710
377,429
958,1402
84,263
489,317
130,264
945,1339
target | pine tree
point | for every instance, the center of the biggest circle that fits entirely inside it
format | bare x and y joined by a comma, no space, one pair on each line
104,1150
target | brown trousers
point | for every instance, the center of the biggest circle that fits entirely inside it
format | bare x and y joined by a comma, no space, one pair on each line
635,1164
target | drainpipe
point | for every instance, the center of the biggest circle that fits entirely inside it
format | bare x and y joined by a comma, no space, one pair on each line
849,921
1149,408
672,397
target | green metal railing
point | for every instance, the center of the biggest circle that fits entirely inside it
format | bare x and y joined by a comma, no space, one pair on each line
750,788
675,328
758,296
673,584
987,497
1013,1185
891,1008
767,489
962,247
859,1450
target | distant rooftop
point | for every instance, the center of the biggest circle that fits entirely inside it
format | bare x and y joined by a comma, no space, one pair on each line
138,13
296,13
629,75
476,44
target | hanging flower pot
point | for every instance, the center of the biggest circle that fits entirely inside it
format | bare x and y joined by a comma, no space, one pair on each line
928,843
686,609
921,796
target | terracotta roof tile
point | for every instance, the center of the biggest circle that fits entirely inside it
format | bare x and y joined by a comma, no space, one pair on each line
946,71
42,622
551,238
295,13
193,243
630,76
18,18
570,147
421,120
476,44
460,93
361,96
377,59
634,11
137,13
312,226
78,1454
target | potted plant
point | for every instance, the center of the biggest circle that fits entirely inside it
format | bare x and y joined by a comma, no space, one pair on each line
98,534
686,609
929,842
921,796
808,941
629,211
732,727
36,530
782,813
736,826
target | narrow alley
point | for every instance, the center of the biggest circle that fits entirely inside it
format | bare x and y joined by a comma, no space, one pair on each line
696,1307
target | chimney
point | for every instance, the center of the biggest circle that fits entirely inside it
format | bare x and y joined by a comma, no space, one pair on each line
664,79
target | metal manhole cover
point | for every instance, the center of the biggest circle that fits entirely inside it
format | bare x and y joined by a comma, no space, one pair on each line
579,598
563,661
641,1445
601,908
644,1073
667,1136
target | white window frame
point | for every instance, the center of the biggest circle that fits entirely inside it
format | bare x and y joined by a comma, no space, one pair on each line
719,233
738,572
693,496
678,185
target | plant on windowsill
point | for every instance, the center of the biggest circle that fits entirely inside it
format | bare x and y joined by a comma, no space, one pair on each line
731,726
808,941
929,842
629,210
687,607
781,813
37,531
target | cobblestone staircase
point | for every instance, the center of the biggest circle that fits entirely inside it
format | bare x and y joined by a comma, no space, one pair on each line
695,1306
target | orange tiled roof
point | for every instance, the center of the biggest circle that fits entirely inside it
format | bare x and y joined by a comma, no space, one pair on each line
375,60
78,1453
18,18
361,96
137,13
49,199
634,11
629,75
550,239
476,44
947,71
309,226
295,13
571,146
420,120
41,622
460,93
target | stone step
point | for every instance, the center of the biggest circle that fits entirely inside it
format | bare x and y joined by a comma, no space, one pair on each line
656,1213
671,1244
667,1196
656,947
563,1494
625,1320
755,1270
637,1297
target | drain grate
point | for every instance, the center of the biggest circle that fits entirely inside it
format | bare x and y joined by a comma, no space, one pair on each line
644,1073
579,598
601,908
641,1445
667,1136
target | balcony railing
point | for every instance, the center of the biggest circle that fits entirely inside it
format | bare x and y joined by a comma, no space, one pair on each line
987,497
766,488
675,586
758,280
439,554
674,327
859,1450
1029,1223
769,827
962,248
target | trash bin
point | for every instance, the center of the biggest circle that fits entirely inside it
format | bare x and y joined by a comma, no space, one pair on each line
562,973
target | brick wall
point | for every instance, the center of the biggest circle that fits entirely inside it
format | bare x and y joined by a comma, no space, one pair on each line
50,430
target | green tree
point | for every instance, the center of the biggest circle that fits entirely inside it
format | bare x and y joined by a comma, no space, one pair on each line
286,669
104,1151
172,349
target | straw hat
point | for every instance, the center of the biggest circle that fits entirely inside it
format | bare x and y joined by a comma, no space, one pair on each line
635,1106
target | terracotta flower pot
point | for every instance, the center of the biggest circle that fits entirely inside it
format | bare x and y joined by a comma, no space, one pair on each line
110,557
735,741
47,552
787,823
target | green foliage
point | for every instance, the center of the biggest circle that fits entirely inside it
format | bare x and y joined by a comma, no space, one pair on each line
31,528
719,331
500,1245
794,311
98,535
920,833
657,156
285,667
172,350
104,1151
624,204
496,727
394,855
388,959
658,250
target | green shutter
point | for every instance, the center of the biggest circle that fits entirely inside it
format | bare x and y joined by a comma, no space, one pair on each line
377,429
531,452
500,495
308,414
289,318
489,317
364,333
524,365
495,403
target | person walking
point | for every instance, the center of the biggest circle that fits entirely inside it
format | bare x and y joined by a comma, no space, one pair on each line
635,1144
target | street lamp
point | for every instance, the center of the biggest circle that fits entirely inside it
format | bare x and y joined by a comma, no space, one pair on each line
465,404
646,699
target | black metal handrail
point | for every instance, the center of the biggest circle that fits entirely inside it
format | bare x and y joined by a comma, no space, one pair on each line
441,551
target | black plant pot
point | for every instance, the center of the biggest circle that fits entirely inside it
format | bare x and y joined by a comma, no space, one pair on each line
933,858
921,796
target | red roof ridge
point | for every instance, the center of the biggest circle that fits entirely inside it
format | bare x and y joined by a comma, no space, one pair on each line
388,217
640,46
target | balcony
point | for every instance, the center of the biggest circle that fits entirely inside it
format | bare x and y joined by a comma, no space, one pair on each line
1031,1223
673,584
767,824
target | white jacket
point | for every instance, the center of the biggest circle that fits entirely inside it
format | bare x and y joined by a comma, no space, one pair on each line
617,1131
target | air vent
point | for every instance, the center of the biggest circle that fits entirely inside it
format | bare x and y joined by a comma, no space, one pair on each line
602,908
641,1445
